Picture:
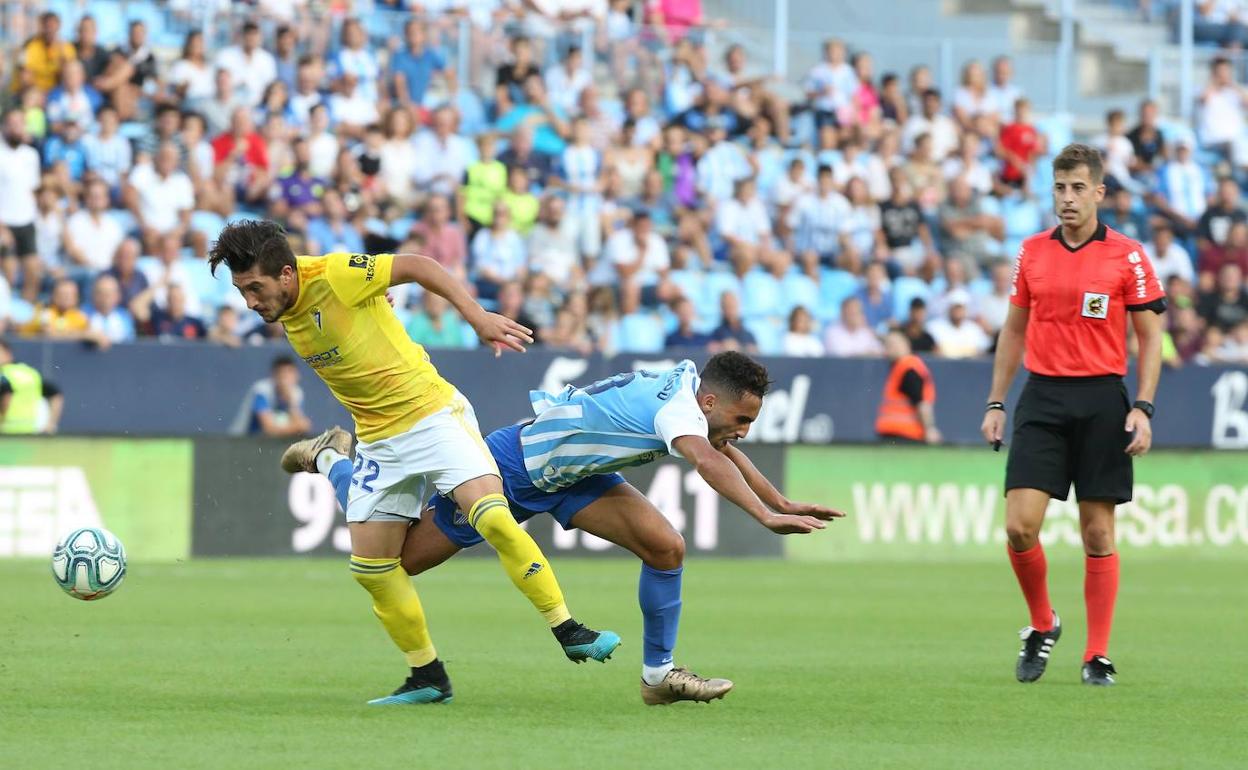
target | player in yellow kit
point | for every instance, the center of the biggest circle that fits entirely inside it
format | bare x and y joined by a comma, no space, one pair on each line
417,433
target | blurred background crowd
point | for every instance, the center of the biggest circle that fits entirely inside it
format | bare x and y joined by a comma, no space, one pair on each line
615,175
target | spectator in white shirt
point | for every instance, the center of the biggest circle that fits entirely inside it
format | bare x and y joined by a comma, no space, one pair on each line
830,84
323,144
552,244
800,340
192,76
251,67
161,197
972,99
743,223
1117,150
109,322
442,155
851,336
968,164
638,255
1222,111
19,178
931,121
306,92
719,168
351,107
1168,257
566,80
170,269
109,155
92,234
995,305
498,254
1002,94
958,336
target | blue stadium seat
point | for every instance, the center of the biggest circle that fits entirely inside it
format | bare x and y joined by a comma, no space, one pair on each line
690,283
400,228
640,332
20,311
834,287
209,223
980,287
799,289
207,287
761,295
769,332
129,225
905,289
716,284
110,21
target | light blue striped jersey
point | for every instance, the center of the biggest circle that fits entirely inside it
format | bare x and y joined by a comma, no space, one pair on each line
625,420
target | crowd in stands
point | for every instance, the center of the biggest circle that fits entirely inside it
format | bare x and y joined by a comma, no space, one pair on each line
617,176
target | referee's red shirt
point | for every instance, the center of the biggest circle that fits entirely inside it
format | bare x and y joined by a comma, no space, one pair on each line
1079,298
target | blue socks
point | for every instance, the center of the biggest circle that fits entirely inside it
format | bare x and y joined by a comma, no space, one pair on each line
340,477
658,592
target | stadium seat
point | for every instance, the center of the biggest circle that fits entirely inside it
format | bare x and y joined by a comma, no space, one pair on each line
690,282
905,289
207,222
769,333
205,284
110,21
834,287
761,295
399,228
714,287
640,332
799,289
980,287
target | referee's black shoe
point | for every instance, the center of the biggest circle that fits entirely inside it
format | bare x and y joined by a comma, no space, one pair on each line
1099,672
1037,646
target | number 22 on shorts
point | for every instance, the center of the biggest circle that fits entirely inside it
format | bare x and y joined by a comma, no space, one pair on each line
367,466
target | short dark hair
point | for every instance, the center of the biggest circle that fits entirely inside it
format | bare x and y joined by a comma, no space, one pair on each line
252,243
736,373
1073,156
280,361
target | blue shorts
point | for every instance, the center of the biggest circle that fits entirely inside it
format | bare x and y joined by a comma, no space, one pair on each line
526,500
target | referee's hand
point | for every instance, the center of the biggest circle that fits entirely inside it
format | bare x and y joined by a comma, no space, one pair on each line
1139,424
993,426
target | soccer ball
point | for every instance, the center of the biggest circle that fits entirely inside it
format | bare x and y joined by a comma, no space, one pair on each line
89,563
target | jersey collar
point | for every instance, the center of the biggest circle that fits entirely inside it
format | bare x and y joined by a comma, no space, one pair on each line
1099,235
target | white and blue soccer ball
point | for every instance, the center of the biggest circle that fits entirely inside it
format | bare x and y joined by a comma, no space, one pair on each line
89,563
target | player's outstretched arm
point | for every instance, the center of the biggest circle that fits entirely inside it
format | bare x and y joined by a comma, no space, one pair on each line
768,493
494,330
726,479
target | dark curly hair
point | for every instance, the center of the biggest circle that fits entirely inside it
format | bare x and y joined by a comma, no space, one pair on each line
252,243
736,374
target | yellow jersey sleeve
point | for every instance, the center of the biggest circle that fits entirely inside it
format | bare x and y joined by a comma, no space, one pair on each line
358,278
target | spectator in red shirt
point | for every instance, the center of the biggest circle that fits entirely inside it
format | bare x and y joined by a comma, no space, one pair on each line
245,151
444,240
1018,147
1233,251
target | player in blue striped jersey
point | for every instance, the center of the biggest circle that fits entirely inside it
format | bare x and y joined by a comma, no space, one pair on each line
565,462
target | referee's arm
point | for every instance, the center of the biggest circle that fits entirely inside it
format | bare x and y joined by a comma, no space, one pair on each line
1149,331
1010,345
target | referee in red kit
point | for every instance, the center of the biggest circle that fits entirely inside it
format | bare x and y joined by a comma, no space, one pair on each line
1073,289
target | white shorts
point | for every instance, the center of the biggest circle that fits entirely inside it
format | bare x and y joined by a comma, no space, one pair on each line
392,477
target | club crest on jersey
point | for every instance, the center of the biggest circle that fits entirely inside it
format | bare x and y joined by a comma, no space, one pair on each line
1095,305
316,318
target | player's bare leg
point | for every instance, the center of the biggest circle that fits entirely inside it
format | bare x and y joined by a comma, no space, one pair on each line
1100,587
426,546
1024,515
488,513
375,549
625,517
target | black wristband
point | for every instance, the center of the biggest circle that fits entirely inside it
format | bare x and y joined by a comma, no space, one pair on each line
1146,407
994,405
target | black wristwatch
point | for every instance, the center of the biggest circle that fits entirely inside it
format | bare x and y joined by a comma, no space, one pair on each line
1146,407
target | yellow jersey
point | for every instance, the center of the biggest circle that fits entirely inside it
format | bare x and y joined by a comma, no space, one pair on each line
344,328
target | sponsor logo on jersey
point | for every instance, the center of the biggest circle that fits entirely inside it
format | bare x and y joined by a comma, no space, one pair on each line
365,262
324,359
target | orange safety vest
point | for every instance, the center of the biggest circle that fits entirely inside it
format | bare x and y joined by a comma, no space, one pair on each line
897,416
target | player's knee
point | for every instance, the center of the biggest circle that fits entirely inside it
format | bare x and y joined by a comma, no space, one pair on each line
1098,539
667,552
1020,535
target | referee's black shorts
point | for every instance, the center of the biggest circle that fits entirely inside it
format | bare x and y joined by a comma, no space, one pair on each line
1070,430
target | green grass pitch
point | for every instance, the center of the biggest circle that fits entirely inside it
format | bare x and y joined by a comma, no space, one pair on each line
267,664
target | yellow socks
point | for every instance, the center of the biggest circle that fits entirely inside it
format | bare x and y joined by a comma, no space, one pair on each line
523,561
397,606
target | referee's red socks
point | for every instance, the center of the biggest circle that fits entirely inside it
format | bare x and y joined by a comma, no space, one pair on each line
1100,590
1032,571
